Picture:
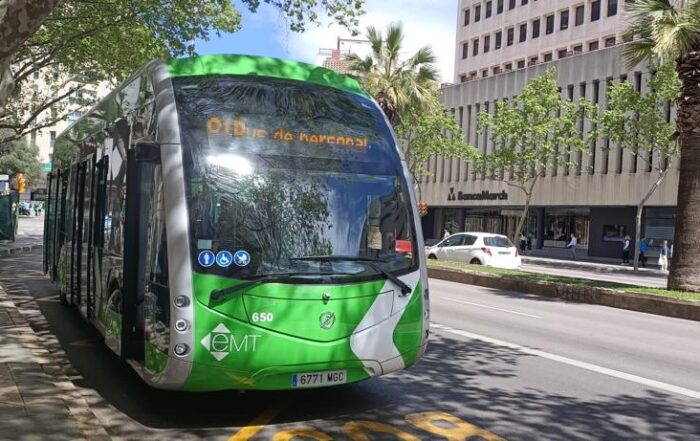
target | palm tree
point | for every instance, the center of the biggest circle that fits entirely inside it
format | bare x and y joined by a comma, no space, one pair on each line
394,83
669,30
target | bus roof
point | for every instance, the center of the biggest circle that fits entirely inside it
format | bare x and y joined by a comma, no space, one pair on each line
263,66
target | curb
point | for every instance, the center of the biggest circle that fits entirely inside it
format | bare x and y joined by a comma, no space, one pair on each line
20,249
675,308
651,271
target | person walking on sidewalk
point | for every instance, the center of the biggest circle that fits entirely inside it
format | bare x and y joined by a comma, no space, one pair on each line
664,252
523,243
626,245
643,250
572,245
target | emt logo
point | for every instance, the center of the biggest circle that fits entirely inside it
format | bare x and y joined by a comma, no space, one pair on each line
220,342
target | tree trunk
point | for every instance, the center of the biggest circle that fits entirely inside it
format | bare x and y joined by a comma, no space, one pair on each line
19,19
526,208
638,219
684,274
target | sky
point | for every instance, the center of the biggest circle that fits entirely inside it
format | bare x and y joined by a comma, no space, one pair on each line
265,32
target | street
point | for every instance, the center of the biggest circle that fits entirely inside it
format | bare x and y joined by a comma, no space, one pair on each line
499,364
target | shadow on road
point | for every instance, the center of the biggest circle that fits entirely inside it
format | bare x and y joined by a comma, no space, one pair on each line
476,381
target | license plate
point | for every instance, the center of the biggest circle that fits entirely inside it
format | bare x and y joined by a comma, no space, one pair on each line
319,379
504,252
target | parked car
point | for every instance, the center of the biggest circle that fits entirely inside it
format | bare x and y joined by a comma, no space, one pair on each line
429,243
477,249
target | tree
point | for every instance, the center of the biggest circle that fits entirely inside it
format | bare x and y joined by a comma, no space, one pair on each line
535,131
637,122
85,41
665,31
423,134
19,19
396,84
21,158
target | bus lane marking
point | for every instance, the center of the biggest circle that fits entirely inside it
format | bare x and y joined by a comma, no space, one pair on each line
491,307
257,424
576,363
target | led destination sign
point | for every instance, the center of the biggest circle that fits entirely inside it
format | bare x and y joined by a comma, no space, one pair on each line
239,128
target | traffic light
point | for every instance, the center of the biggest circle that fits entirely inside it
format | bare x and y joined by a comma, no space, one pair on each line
21,183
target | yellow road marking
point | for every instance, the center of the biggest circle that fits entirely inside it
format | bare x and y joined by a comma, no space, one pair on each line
257,424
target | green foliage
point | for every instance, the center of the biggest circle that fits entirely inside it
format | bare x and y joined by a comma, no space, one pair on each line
663,30
535,130
637,122
20,157
64,152
424,133
397,85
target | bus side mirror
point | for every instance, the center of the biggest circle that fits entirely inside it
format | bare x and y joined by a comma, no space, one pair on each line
147,151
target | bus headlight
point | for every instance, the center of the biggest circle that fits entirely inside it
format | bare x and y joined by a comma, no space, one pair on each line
181,325
181,349
181,301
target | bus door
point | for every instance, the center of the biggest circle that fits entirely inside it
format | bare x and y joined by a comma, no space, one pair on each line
48,212
141,163
77,237
60,231
97,241
86,236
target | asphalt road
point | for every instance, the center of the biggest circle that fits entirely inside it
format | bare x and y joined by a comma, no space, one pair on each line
500,365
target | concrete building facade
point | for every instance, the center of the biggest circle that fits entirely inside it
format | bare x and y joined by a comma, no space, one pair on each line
595,200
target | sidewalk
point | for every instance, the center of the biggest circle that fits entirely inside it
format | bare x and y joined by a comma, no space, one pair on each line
37,400
30,235
562,257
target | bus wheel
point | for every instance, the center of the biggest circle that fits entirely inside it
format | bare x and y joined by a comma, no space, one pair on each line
475,261
433,257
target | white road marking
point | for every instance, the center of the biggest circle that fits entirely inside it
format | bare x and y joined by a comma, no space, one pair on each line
580,364
490,307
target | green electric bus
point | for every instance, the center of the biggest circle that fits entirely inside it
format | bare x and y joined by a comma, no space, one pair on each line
240,222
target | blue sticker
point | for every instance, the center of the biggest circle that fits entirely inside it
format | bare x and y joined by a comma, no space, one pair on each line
224,259
241,258
206,258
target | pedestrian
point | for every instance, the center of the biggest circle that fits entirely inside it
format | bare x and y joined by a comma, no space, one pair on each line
626,245
664,252
572,245
529,243
446,234
523,243
643,249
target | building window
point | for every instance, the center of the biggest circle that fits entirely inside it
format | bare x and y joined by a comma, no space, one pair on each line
475,47
521,64
593,45
580,14
484,73
477,13
510,36
612,8
466,16
547,57
499,37
523,2
511,4
564,20
595,10
472,75
561,53
508,67
488,9
549,25
578,49
610,42
523,32
487,43
499,6
536,28
496,70
35,75
465,50
463,78
533,61
52,138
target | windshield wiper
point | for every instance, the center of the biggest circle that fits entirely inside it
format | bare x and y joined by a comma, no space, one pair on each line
250,281
369,261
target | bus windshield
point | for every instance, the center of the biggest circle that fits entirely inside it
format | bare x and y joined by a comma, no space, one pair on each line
290,178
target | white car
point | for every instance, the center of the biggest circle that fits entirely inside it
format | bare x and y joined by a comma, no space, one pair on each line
477,249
